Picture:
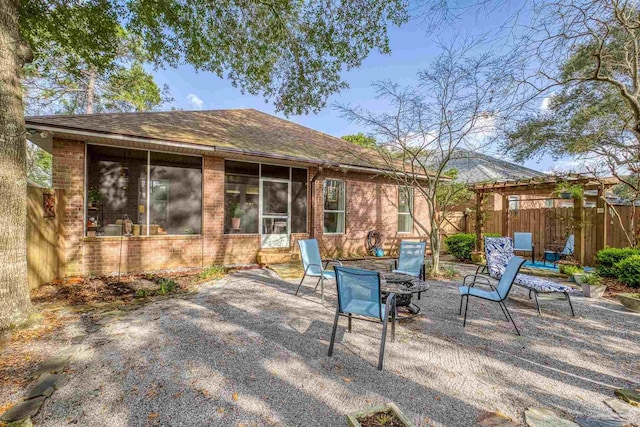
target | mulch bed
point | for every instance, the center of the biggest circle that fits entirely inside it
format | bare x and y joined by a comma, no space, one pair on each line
381,419
614,288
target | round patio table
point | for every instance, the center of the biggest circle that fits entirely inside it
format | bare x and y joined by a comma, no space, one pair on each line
404,286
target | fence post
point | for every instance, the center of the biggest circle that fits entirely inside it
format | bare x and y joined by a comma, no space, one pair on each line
601,220
479,242
578,229
505,215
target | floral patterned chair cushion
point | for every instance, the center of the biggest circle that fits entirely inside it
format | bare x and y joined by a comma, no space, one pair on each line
499,251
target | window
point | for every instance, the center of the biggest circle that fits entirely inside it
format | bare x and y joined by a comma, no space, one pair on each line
548,203
334,203
514,203
298,200
119,181
405,209
241,197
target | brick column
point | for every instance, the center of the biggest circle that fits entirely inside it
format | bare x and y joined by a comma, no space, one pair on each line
213,210
68,175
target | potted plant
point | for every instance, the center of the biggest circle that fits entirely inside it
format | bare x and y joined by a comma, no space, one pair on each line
383,415
574,272
569,191
563,264
236,216
95,196
630,301
477,257
592,285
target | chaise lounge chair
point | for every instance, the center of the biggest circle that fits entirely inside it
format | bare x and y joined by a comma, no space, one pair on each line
498,251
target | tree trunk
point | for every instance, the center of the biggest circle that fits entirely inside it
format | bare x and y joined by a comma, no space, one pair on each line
91,89
14,292
434,237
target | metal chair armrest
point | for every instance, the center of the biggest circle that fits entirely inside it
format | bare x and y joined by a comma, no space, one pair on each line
329,261
476,279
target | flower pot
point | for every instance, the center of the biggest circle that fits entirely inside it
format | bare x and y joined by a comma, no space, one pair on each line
630,301
593,291
352,419
578,278
235,222
565,195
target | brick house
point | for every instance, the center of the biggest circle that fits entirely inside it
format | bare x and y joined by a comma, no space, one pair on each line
197,188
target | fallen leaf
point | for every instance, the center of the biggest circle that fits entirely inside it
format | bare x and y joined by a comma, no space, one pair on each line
347,380
235,396
152,416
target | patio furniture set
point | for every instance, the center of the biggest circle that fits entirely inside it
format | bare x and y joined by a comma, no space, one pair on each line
373,294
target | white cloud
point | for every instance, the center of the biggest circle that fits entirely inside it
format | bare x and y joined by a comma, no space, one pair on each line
544,105
195,101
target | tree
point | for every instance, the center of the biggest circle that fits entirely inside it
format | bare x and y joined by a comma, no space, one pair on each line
38,165
361,139
290,52
457,103
59,81
594,96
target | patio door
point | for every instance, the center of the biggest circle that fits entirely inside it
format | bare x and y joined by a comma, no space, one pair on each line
275,196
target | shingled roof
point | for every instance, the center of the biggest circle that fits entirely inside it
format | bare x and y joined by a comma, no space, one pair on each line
243,131
475,168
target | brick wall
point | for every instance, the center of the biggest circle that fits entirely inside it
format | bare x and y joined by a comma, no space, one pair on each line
371,204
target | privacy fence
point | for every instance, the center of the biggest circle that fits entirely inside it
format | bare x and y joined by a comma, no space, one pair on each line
552,225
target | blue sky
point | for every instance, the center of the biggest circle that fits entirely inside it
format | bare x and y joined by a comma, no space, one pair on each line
412,49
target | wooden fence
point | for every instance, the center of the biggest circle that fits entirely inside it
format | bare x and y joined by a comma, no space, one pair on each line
43,220
551,225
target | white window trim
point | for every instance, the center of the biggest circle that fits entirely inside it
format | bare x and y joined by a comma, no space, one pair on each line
515,202
411,194
343,212
148,201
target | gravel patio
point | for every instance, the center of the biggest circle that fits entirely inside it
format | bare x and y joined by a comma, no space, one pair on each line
245,351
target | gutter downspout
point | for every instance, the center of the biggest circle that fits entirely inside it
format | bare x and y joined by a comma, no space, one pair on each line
312,232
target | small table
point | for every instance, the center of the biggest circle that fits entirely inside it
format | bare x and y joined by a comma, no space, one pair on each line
404,286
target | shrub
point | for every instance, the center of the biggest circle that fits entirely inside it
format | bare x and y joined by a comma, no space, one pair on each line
212,273
462,244
167,286
606,260
572,269
592,279
628,270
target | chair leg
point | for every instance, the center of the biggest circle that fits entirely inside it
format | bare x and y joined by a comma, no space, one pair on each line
530,290
384,338
317,283
510,317
461,301
333,332
394,316
570,305
466,309
503,312
322,287
535,293
349,328
302,280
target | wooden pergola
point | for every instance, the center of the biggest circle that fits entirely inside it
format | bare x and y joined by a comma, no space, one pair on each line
544,187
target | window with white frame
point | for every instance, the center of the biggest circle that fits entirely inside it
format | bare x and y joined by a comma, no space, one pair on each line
334,206
405,209
514,203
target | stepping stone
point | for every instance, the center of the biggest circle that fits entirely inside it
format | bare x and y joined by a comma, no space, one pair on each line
541,417
53,365
629,395
47,385
28,408
21,423
495,419
601,422
619,407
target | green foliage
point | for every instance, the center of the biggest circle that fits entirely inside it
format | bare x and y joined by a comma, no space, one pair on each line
593,279
462,244
454,192
362,140
570,270
607,260
141,293
290,52
94,195
628,270
39,164
576,191
167,286
212,273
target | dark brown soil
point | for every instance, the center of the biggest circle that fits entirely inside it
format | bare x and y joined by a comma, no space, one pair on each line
381,419
614,288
